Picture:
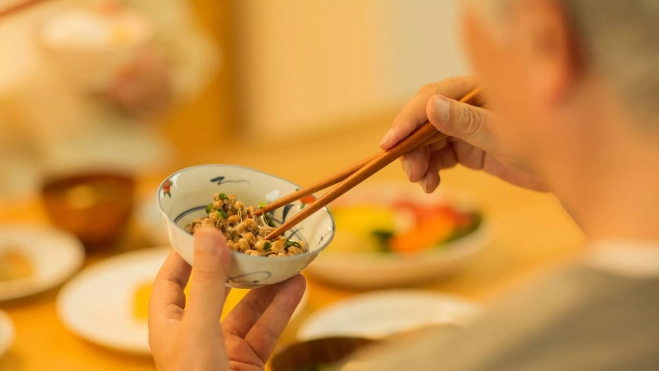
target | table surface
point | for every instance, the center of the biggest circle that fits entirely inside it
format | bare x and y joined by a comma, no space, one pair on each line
532,235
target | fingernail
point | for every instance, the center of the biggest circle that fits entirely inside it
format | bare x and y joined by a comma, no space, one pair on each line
441,109
423,184
387,136
206,239
426,186
407,167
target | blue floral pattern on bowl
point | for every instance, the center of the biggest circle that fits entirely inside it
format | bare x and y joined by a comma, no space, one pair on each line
191,190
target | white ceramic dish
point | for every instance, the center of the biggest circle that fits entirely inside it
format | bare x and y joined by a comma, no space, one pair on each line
54,255
184,195
98,304
349,267
379,314
93,48
6,332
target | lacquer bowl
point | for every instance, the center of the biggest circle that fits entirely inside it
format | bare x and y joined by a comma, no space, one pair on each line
184,195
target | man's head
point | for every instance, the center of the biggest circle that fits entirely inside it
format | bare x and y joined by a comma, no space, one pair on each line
569,78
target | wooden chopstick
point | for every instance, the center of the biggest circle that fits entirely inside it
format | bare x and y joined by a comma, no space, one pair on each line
423,134
330,180
355,174
470,98
18,7
420,135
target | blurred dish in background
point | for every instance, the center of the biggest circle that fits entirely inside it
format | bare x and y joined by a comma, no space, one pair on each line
380,314
6,332
147,215
94,46
94,206
391,235
14,264
128,63
35,259
107,303
317,354
99,304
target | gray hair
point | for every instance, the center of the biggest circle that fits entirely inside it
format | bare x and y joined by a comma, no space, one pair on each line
619,39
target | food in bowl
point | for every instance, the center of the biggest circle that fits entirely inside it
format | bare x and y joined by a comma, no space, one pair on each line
14,265
401,226
184,196
244,231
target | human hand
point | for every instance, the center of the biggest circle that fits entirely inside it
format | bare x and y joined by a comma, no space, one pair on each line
474,137
143,88
186,334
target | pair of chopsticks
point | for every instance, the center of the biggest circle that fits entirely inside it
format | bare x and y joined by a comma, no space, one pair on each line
351,176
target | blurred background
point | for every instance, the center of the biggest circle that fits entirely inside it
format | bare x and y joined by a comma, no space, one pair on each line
102,100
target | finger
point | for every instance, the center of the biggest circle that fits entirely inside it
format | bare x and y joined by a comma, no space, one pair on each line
493,166
264,334
415,164
471,124
439,145
414,114
248,311
445,158
468,155
211,262
167,297
431,178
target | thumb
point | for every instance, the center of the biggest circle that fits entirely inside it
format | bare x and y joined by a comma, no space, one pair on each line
472,124
211,263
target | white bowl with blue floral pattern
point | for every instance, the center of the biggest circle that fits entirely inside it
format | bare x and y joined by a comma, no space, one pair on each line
184,195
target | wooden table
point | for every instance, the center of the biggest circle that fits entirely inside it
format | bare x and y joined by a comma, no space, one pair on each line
533,235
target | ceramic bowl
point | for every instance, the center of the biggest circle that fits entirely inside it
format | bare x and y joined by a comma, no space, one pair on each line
184,195
318,354
346,264
93,48
94,206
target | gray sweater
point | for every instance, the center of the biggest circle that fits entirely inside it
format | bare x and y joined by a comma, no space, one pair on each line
580,318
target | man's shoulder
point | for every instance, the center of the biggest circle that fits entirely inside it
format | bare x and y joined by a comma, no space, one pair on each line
574,319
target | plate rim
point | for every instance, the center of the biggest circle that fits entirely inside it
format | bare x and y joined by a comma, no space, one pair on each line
6,341
30,287
303,332
68,288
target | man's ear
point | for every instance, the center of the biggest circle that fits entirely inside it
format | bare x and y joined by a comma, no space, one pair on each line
553,50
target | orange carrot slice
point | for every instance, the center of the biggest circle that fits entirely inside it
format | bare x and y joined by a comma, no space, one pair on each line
428,232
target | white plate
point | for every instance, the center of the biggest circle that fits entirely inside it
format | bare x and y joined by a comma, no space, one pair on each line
352,268
54,255
97,304
6,332
383,313
149,219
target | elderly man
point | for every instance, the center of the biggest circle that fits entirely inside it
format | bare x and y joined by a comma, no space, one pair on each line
574,86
